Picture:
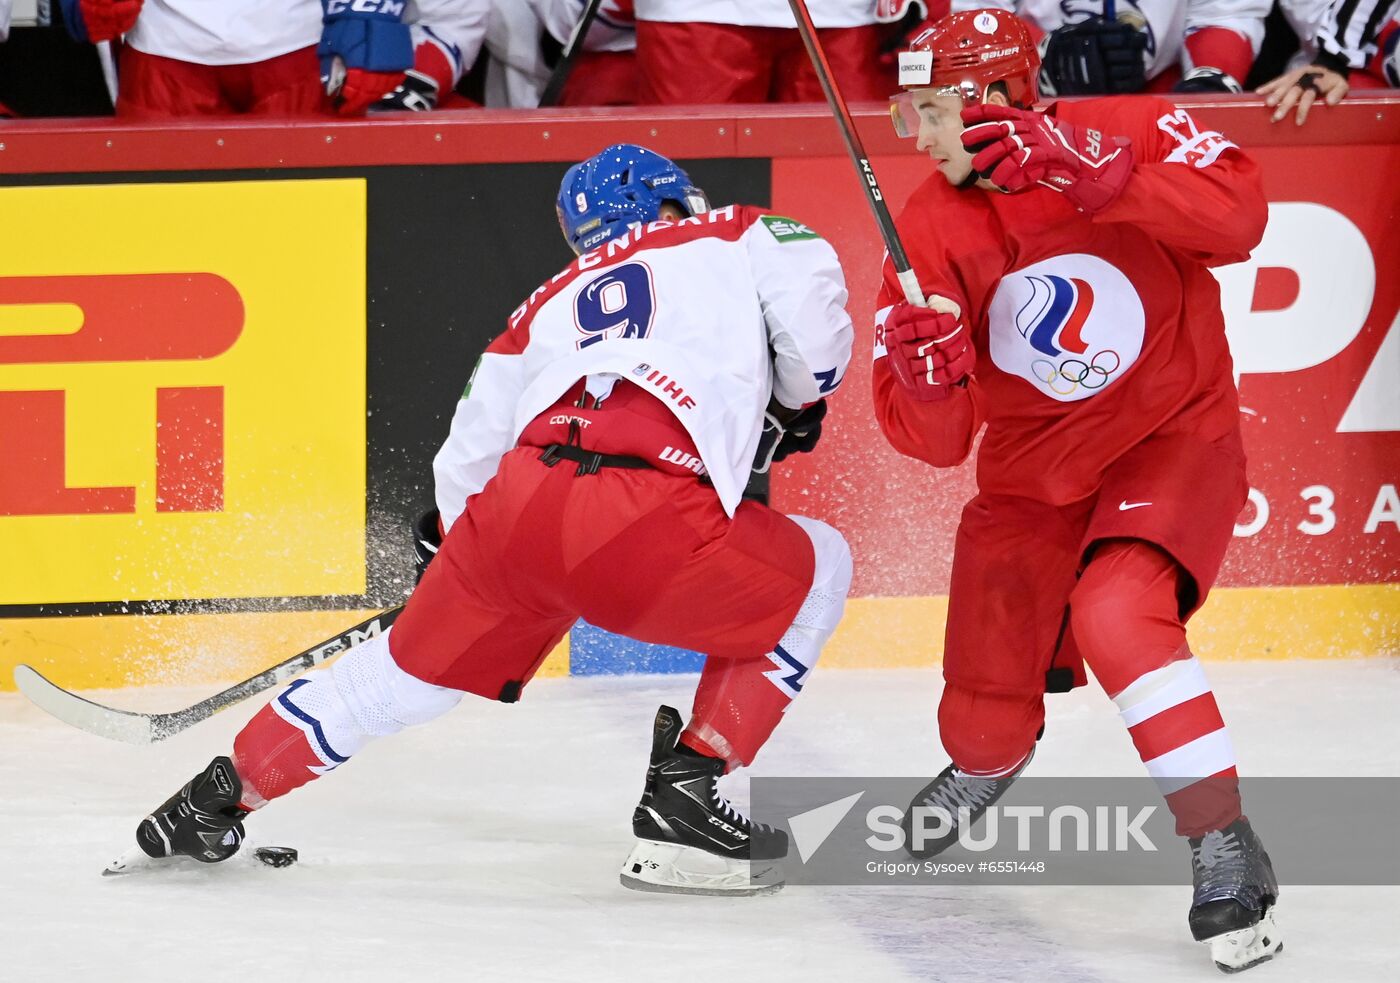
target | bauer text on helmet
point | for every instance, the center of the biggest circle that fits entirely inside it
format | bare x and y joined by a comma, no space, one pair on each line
621,187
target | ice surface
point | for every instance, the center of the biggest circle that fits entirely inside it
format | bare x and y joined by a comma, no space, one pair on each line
486,846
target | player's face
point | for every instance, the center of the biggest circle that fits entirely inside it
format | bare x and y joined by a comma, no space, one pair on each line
940,134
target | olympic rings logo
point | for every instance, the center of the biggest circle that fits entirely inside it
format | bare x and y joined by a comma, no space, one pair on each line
1076,373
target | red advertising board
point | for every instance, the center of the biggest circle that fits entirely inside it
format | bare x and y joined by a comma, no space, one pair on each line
1312,319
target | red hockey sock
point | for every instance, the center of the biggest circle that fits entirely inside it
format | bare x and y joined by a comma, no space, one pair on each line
738,704
272,757
1126,620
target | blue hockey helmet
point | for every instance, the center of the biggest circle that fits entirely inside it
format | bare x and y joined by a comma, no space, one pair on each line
625,185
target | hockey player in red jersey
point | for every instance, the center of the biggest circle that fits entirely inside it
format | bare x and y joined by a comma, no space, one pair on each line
1066,252
595,468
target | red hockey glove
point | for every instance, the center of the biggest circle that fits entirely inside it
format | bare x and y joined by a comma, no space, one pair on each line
928,351
1016,149
354,90
107,20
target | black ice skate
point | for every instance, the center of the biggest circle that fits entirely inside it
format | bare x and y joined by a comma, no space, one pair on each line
946,804
1232,907
690,840
202,820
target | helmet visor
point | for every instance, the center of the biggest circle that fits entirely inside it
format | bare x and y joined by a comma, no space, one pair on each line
903,115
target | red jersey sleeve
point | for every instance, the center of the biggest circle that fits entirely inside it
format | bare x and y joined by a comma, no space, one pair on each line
1191,188
940,433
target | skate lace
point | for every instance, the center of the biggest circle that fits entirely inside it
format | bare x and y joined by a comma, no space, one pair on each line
964,791
1219,848
725,809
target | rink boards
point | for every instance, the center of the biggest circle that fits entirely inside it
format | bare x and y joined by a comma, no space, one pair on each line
218,404
1249,623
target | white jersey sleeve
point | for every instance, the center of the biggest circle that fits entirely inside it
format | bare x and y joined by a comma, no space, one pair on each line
457,27
483,429
614,27
802,293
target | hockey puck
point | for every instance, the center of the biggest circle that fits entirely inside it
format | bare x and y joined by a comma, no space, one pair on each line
276,856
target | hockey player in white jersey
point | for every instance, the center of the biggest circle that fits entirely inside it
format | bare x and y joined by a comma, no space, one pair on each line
595,468
282,57
1099,47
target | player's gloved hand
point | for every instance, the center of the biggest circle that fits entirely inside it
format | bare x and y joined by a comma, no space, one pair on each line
427,538
1094,57
102,20
928,352
422,86
801,433
1207,79
361,89
365,50
417,93
1017,149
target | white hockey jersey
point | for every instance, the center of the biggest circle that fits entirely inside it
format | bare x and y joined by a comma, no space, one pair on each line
222,32
759,13
712,315
1167,22
517,72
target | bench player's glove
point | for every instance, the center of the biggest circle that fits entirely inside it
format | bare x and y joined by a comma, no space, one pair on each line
364,51
100,20
1017,149
928,351
416,93
424,84
427,538
1094,57
1207,79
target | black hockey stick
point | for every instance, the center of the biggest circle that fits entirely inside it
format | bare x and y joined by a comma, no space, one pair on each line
560,75
876,199
148,728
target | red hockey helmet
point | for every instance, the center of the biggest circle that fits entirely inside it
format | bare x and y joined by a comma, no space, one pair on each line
964,53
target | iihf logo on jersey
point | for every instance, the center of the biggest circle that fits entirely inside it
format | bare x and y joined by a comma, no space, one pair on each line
1069,325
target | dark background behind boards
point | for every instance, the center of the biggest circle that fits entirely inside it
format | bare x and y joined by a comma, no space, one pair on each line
44,72
452,250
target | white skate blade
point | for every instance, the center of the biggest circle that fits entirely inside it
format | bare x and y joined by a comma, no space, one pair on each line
1237,951
136,861
669,868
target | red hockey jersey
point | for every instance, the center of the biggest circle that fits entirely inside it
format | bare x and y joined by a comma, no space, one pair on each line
1092,333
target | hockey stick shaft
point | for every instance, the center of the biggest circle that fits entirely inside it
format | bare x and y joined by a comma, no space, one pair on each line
555,86
148,728
873,195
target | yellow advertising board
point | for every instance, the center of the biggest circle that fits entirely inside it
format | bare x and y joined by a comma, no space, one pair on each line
182,391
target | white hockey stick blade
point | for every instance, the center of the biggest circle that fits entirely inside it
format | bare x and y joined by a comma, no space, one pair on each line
116,725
